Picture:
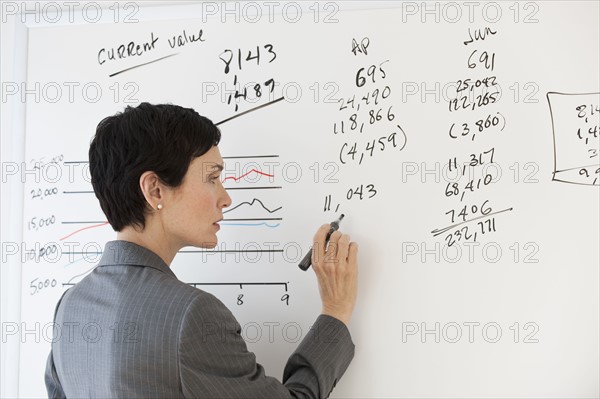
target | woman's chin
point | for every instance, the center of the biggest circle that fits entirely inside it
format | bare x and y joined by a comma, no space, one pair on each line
207,244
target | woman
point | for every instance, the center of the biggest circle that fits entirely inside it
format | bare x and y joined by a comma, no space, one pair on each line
134,329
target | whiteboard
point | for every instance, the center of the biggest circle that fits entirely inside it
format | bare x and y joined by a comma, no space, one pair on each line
459,139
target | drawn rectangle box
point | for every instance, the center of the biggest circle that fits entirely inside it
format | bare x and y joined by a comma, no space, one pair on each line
576,131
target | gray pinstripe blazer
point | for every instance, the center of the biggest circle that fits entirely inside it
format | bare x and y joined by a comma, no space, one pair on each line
131,329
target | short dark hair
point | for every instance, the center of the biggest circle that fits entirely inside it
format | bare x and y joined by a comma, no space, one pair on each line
162,138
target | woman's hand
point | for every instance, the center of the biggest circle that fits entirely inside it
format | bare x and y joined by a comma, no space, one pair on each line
336,267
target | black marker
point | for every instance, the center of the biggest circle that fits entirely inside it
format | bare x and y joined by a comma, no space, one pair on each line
306,262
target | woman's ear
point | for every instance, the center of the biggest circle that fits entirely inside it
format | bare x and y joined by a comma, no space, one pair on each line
151,187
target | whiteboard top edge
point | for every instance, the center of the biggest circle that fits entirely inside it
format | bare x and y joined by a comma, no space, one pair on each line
43,14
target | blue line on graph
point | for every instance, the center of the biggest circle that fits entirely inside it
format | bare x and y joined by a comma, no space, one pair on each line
250,224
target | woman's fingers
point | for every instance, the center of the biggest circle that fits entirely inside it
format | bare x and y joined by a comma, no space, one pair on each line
343,247
318,249
335,265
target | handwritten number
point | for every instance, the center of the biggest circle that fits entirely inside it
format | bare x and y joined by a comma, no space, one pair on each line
269,48
226,60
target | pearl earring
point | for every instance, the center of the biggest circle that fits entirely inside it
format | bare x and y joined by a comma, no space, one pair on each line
159,206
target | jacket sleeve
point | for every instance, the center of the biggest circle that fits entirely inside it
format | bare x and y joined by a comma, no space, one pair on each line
215,362
53,386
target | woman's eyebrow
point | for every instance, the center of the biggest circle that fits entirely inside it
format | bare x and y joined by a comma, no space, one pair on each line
217,167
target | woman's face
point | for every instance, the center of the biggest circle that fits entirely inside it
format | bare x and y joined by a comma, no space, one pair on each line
193,209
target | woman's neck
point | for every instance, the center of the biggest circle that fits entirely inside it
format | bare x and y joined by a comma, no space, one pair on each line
151,239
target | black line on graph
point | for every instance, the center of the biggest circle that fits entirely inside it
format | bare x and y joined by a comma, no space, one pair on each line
229,251
186,252
78,192
252,203
253,156
252,188
85,222
250,110
437,232
242,284
230,157
137,66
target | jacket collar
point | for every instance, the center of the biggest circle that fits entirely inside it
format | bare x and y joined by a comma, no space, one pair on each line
121,252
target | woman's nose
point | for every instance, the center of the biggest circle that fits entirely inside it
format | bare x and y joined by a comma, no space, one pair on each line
226,198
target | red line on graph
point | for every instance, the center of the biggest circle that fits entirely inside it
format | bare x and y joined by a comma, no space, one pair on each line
84,228
246,174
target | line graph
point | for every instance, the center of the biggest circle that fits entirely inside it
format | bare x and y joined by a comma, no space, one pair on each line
99,224
254,200
247,174
70,282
